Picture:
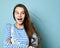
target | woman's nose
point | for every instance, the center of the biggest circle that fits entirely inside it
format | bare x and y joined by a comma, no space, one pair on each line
20,15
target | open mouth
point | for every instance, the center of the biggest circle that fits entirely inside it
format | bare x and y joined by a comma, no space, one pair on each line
19,19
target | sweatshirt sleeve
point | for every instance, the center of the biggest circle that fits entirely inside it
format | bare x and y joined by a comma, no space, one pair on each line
35,42
36,39
7,36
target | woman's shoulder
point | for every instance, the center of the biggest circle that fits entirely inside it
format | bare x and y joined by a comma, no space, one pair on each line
7,30
8,26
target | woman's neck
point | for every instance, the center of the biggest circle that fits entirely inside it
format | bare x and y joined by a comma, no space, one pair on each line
19,25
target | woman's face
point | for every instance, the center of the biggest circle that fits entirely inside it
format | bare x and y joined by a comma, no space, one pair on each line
19,15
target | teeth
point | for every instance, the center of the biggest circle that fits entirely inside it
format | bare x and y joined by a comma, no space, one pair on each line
19,18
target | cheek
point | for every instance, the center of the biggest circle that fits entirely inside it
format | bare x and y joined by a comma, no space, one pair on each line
16,16
23,17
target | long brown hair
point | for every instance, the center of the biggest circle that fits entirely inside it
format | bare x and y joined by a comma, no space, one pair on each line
29,28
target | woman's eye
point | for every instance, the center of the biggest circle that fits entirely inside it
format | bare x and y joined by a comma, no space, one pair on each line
17,13
23,13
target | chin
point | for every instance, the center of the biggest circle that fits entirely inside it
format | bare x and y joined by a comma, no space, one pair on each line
20,23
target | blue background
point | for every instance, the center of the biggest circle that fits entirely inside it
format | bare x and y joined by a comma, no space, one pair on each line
45,14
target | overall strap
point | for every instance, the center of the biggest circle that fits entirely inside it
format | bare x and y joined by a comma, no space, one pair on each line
12,30
12,33
13,39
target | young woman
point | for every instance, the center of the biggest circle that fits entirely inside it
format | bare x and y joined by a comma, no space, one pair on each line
22,34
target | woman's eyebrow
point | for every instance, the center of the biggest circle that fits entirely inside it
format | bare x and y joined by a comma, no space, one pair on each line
23,12
18,11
